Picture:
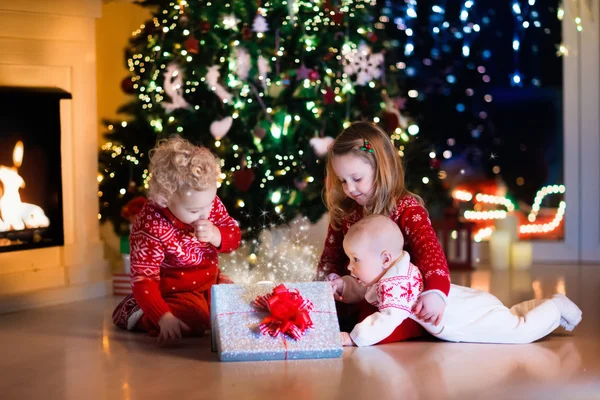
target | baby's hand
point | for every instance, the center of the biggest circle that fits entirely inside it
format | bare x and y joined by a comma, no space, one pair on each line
430,308
205,231
337,285
346,339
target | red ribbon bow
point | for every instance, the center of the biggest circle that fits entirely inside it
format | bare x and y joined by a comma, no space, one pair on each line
290,312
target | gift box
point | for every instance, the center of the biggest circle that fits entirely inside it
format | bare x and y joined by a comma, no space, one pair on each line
236,324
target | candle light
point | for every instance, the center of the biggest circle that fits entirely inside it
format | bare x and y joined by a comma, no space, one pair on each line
521,255
500,250
508,224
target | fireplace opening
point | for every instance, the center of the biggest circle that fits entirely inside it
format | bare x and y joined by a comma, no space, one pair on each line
31,206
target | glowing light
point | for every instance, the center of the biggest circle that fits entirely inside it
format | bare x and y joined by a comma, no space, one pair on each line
276,197
539,197
462,195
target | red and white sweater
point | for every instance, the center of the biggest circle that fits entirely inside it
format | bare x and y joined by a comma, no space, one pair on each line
420,241
166,257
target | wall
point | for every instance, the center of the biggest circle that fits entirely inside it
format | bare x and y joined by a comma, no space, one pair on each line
45,43
113,30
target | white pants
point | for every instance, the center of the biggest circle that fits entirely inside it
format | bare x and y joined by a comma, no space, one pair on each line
478,317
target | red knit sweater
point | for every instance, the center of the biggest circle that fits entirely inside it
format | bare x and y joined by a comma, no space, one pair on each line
166,257
420,241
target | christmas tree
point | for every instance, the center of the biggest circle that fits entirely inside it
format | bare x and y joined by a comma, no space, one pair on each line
265,86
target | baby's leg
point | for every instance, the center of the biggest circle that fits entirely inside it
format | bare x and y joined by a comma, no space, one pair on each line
124,310
483,319
191,308
524,323
569,312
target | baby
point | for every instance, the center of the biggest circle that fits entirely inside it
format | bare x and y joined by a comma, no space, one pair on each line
383,275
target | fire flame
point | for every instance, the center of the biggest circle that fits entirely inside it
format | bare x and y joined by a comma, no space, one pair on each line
18,154
14,214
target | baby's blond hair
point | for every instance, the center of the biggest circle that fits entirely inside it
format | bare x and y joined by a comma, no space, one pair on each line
176,164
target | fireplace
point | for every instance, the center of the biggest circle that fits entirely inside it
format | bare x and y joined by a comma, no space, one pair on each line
31,206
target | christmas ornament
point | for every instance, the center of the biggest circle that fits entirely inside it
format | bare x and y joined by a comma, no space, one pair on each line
337,17
292,8
204,26
329,97
174,89
302,72
260,132
243,178
263,69
127,85
390,108
230,22
313,75
219,128
300,184
260,24
243,63
372,37
321,145
390,121
246,33
191,45
363,63
212,80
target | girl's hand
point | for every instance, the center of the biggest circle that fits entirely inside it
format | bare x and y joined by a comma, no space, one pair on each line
171,328
337,285
206,232
346,339
430,308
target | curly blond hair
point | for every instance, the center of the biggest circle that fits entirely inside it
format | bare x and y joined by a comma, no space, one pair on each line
176,165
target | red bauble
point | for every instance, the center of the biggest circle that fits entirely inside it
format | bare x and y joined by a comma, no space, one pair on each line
246,33
191,45
390,121
242,179
435,163
204,26
337,17
372,37
329,97
127,85
313,75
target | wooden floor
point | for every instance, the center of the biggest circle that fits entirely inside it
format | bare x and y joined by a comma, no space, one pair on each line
73,352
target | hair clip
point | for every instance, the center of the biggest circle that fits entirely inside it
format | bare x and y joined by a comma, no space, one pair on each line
367,147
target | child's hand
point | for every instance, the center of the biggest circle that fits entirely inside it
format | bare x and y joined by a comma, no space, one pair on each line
346,339
206,232
430,308
171,328
337,285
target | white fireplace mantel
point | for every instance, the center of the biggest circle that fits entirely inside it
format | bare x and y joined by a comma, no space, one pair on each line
52,44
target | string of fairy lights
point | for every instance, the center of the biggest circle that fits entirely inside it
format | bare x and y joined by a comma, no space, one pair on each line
494,214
